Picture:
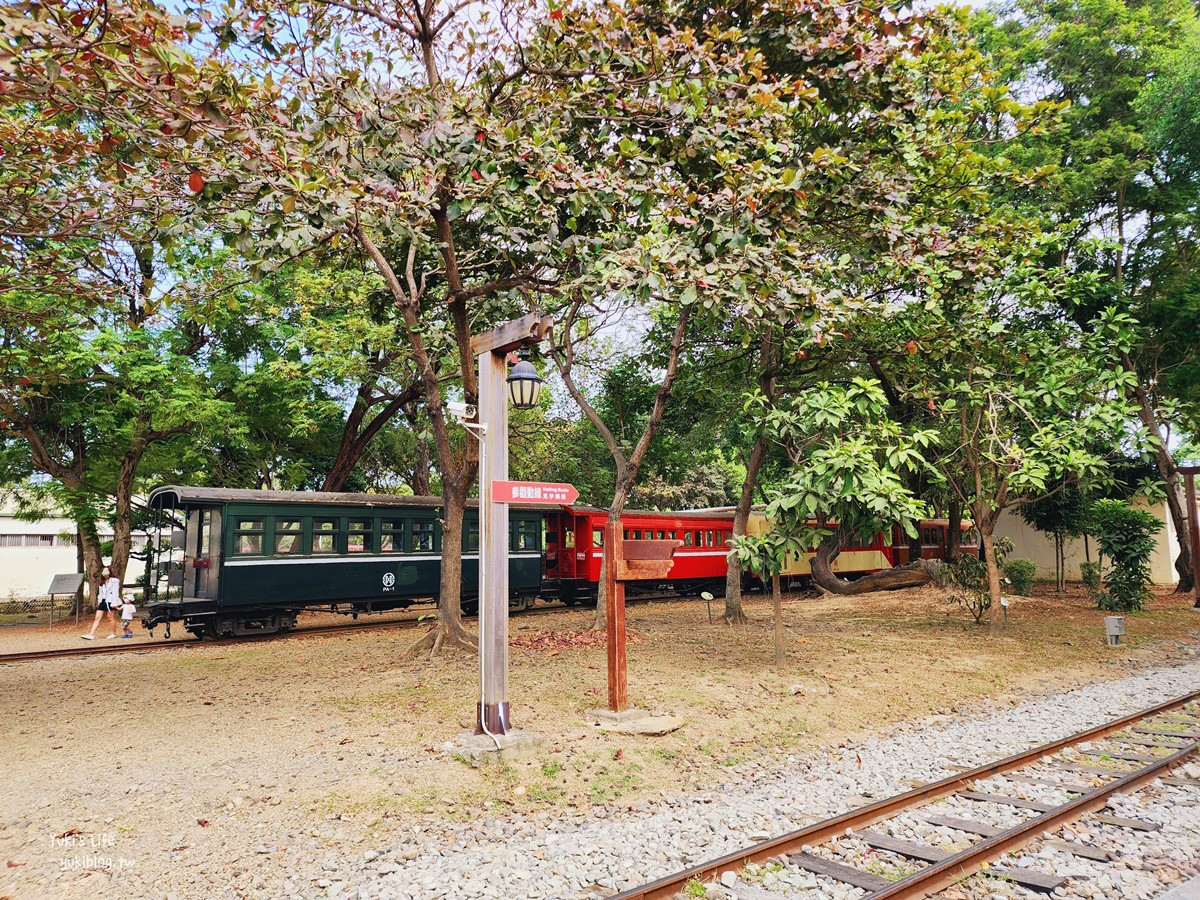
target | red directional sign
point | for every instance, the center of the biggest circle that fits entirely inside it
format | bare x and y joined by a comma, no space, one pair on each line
548,492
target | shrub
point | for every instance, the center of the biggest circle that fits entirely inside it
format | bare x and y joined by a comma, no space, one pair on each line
1089,574
1126,536
967,577
1019,573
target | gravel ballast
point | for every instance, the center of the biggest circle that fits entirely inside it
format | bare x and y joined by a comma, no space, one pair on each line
271,851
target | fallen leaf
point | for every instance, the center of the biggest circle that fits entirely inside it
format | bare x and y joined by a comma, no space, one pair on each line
203,823
69,832
346,741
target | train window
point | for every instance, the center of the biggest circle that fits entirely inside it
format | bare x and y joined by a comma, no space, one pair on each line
708,539
625,534
597,537
662,535
287,536
526,534
687,539
671,535
391,536
422,535
324,536
637,534
968,538
569,540
248,536
931,536
472,533
359,538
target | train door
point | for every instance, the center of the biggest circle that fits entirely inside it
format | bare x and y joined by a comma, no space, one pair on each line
567,532
203,553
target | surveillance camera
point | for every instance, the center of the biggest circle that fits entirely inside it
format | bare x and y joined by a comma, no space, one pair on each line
462,411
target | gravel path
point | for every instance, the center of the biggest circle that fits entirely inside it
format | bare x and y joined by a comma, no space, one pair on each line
592,855
272,853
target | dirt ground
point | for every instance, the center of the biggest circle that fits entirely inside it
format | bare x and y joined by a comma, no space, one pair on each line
176,756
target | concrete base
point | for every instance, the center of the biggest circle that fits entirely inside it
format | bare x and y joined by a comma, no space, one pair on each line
636,721
1189,890
479,749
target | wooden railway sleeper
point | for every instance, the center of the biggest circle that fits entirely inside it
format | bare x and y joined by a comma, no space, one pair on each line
952,869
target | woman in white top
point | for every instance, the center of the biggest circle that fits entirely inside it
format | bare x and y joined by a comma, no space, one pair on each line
108,601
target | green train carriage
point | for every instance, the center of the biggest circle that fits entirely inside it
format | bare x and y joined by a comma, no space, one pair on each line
247,562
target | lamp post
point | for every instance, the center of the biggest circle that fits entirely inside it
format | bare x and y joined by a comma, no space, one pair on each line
523,385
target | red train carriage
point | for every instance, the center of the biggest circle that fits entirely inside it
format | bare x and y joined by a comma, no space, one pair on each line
935,543
575,548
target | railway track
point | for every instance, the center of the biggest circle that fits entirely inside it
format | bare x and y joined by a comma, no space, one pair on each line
184,643
1124,755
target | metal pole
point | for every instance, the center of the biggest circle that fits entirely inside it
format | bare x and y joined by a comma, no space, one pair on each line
493,555
1189,479
614,609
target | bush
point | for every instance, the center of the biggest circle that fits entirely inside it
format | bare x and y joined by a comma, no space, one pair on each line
967,578
1019,573
1126,536
1089,574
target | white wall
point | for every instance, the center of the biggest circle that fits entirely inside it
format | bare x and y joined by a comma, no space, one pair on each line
1031,544
27,569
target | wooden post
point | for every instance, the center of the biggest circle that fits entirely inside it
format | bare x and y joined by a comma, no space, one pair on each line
1193,530
614,600
493,553
491,349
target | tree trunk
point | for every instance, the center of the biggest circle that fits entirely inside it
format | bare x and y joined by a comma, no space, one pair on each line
356,437
993,575
919,572
1169,473
1060,563
954,529
734,614
123,517
420,480
449,630
77,606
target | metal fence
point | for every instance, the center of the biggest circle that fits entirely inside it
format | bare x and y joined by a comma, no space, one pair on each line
35,610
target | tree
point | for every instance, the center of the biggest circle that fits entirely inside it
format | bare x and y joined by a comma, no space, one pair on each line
848,458
1129,176
1062,514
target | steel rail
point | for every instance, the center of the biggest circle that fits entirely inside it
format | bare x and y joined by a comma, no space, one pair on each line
822,831
323,630
184,643
954,869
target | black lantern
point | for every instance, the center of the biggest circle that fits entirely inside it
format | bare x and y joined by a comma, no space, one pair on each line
524,385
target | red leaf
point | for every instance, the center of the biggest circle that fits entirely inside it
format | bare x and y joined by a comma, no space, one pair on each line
556,15
196,182
203,823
